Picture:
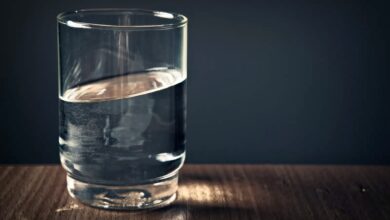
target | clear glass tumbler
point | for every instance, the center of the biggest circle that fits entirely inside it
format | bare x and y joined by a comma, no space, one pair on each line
122,109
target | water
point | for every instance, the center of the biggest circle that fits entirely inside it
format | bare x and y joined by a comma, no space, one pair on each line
126,130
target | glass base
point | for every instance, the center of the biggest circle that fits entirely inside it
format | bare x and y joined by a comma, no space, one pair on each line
134,197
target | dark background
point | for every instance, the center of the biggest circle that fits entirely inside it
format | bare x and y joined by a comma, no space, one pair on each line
269,81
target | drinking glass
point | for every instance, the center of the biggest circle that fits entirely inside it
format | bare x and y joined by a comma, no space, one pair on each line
122,105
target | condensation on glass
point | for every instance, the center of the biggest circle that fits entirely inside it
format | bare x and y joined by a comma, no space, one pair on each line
122,105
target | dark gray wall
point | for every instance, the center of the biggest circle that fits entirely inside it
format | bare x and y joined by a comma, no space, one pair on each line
281,82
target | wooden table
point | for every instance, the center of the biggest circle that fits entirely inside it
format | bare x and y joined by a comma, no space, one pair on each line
216,192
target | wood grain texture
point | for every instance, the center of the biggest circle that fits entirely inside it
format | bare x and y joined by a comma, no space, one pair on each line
216,192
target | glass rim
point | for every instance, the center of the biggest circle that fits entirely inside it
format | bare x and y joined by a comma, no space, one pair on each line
178,20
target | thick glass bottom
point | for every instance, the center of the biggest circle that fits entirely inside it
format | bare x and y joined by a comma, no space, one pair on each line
133,197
